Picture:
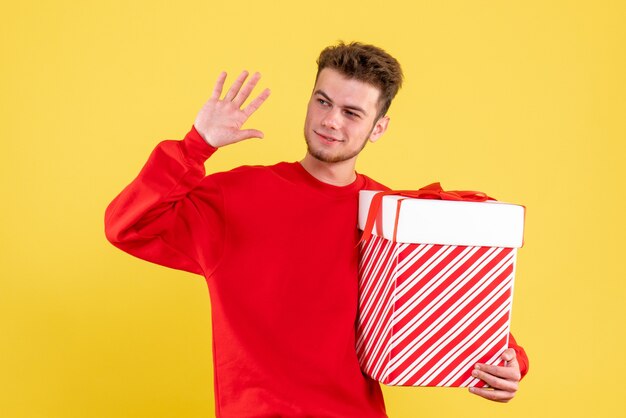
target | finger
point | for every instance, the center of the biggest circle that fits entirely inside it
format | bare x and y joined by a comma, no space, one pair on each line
249,133
247,89
256,103
219,85
510,371
493,395
234,89
510,385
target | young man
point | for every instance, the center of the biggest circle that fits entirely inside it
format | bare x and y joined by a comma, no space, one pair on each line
277,245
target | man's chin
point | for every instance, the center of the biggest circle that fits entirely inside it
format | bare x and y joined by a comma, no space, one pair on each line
326,157
323,157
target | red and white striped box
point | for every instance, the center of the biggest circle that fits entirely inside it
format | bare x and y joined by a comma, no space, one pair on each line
435,288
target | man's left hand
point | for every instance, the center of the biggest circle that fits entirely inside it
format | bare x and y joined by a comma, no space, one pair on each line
503,381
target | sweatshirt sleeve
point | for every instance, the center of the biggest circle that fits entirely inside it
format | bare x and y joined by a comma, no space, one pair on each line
171,214
521,356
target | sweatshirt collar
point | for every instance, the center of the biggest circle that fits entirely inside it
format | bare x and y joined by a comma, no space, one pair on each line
297,171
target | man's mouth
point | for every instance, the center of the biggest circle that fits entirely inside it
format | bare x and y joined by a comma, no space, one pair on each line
328,138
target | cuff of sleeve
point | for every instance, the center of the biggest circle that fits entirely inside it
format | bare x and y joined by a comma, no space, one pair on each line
195,147
520,354
522,361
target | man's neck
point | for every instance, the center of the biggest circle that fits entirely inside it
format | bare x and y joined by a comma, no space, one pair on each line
337,174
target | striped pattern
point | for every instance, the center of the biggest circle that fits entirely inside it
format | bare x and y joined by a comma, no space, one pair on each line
428,313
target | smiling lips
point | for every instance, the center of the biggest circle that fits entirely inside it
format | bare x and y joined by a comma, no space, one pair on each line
328,138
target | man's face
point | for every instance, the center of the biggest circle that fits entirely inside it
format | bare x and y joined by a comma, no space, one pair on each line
341,117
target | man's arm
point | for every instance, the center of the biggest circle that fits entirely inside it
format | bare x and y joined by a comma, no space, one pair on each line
163,216
504,380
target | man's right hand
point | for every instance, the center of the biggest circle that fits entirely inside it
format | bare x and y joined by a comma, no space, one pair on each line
219,121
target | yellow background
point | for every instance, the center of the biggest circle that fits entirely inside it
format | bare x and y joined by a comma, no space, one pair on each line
525,100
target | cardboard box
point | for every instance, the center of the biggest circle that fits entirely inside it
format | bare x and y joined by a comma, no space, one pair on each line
435,288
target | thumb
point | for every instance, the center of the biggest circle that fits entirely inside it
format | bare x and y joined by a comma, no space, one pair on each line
509,355
249,133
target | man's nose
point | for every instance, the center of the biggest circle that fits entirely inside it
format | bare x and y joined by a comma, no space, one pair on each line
331,120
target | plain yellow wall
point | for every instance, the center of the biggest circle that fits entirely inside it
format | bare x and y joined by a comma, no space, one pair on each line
523,100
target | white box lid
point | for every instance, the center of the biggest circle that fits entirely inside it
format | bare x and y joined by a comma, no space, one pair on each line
447,222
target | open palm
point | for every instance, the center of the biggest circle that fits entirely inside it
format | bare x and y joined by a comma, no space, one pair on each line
220,121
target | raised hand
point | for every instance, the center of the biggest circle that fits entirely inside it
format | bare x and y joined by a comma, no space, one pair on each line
220,121
503,381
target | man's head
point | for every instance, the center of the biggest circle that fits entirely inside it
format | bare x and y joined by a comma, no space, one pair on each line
354,86
366,63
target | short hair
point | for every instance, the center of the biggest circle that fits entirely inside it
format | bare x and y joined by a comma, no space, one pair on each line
367,63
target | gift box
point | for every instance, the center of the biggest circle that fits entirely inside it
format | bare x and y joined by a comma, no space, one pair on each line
435,284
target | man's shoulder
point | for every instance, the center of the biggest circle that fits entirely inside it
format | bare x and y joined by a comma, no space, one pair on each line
248,173
371,184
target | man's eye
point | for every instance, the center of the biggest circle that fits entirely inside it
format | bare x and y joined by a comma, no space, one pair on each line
322,102
351,114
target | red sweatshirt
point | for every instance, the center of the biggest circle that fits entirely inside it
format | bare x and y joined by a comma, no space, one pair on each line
278,250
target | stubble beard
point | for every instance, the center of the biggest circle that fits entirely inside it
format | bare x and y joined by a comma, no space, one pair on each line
320,155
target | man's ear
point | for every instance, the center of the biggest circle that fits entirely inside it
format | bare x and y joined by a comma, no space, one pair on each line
379,128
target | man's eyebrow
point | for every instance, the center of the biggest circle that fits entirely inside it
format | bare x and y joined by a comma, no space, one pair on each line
351,107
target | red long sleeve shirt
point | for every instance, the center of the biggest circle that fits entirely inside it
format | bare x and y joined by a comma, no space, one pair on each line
278,250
